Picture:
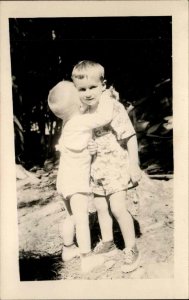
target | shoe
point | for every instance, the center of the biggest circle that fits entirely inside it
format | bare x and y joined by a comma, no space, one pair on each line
106,248
132,259
70,252
90,262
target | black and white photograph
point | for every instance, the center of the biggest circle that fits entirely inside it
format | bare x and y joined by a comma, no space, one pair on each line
94,135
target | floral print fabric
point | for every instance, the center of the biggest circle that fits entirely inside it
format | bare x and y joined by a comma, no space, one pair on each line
110,168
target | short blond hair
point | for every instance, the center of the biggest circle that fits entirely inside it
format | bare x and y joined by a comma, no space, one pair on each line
85,68
63,100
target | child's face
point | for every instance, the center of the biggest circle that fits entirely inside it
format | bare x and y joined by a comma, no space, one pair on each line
90,89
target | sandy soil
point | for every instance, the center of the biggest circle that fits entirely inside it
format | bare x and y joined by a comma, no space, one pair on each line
40,215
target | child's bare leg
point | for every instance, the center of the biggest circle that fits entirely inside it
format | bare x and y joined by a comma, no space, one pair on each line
68,227
125,221
79,206
104,218
118,207
67,232
106,246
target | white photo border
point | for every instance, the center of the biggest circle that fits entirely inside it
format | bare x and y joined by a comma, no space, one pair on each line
176,288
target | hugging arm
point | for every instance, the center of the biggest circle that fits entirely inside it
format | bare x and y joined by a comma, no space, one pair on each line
102,116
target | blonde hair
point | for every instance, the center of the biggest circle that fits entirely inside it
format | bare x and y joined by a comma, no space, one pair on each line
63,100
85,68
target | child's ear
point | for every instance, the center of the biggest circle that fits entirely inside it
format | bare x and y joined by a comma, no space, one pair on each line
104,85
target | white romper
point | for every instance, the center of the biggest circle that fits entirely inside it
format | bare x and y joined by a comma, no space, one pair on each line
75,161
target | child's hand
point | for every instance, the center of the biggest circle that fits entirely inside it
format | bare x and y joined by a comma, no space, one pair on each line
84,108
135,173
92,147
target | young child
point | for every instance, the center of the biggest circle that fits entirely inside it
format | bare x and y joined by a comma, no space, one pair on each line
73,179
113,166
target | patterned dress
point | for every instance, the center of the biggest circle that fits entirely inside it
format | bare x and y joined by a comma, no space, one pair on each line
110,167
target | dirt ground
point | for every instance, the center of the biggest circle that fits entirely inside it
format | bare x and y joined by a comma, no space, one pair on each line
40,215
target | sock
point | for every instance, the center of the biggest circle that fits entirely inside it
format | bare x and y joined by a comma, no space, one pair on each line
67,246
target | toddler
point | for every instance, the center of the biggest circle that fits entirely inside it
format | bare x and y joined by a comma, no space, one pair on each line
114,165
73,179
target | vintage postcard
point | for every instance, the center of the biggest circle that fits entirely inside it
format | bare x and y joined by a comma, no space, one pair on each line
94,149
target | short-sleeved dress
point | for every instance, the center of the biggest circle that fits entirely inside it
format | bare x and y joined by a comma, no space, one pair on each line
110,167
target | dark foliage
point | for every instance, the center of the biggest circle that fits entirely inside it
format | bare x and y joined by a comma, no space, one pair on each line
137,55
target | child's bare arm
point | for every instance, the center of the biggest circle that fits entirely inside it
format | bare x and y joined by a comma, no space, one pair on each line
135,171
103,115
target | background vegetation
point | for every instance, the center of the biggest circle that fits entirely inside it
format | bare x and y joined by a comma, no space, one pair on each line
137,55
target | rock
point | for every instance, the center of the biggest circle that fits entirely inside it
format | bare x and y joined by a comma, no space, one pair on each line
26,198
20,172
49,164
24,177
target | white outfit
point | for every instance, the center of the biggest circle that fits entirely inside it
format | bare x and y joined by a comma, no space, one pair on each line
74,168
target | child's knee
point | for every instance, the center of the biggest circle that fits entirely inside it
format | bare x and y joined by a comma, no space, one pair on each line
69,220
81,218
101,205
117,209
